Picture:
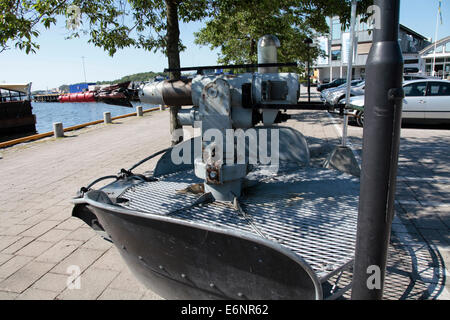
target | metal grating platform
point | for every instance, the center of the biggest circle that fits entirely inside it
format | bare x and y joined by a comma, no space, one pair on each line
312,212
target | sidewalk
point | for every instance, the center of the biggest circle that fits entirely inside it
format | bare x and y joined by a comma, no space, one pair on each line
419,256
39,240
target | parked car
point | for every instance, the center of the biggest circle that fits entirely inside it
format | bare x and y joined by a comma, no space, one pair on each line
410,76
426,100
327,93
332,84
334,98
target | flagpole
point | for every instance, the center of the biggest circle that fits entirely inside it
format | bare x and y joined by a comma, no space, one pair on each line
435,43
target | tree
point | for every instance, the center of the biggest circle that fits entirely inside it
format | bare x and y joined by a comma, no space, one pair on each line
148,24
110,24
235,27
19,20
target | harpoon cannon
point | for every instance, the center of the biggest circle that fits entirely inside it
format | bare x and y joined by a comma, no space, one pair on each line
235,212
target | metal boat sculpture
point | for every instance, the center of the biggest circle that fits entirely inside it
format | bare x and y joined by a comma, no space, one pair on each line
210,221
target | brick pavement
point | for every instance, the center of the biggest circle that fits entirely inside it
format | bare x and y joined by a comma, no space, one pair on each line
39,240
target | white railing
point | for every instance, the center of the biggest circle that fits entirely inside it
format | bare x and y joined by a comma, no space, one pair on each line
440,74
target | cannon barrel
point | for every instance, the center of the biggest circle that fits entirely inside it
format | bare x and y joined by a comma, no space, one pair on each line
168,92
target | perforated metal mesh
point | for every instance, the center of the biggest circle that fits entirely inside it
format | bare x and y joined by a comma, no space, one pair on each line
312,212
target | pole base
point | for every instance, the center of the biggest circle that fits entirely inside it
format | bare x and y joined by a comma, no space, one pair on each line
343,159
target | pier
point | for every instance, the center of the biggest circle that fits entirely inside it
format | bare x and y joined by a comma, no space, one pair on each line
39,240
52,97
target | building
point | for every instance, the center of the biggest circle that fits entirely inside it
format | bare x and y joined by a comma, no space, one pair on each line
79,87
336,46
441,61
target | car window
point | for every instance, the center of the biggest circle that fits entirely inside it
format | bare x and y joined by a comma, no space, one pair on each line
415,89
438,89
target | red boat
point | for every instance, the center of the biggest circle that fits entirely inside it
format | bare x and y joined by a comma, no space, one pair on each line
88,96
117,94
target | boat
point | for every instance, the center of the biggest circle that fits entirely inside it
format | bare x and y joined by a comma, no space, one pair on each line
237,212
16,116
117,94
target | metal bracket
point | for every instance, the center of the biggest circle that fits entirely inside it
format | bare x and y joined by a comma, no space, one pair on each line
395,94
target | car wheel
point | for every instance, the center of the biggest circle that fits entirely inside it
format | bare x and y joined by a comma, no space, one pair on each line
360,118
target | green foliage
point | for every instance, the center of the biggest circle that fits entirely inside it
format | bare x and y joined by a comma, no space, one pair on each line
64,88
137,77
19,20
110,24
114,25
235,27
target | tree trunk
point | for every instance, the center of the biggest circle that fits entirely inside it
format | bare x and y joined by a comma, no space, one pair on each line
173,55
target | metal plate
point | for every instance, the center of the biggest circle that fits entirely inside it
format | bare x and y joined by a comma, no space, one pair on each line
185,261
312,212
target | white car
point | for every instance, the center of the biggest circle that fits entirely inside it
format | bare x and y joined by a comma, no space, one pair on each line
339,91
335,97
425,101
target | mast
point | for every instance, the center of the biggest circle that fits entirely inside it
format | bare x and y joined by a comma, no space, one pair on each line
84,70
435,39
349,71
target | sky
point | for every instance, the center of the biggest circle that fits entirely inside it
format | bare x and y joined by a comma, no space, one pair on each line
58,61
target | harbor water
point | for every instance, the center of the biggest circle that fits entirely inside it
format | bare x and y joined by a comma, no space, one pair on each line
71,114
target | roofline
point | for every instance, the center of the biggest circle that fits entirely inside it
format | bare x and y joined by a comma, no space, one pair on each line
432,45
412,32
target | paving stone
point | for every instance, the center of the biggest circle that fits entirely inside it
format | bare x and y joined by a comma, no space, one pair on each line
6,241
15,230
4,257
429,222
82,234
60,213
93,283
54,235
35,219
70,224
7,295
127,281
35,248
97,243
25,277
37,294
52,282
110,260
12,265
16,246
434,237
39,229
59,251
150,295
81,258
115,294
